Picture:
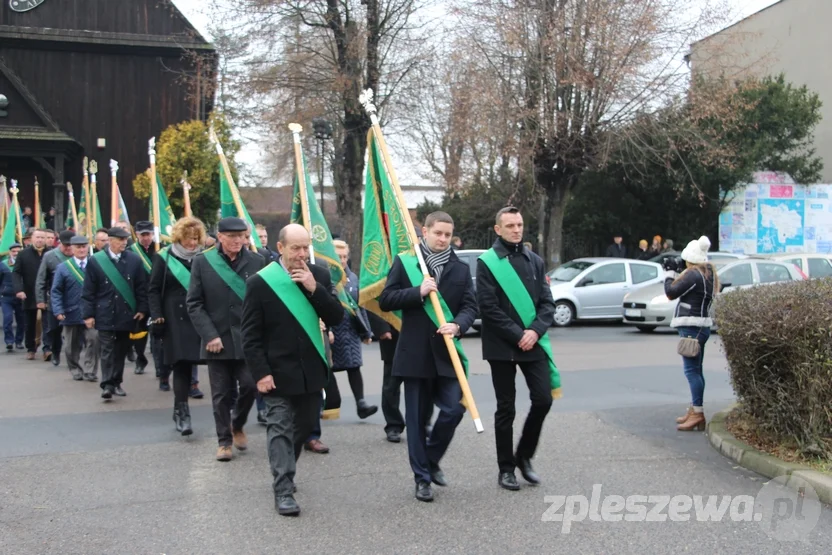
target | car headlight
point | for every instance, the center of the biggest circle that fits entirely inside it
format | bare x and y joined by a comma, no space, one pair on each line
659,299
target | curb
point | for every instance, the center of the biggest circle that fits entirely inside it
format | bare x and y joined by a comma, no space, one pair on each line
761,463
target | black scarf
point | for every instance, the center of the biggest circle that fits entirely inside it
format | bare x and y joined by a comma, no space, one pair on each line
435,260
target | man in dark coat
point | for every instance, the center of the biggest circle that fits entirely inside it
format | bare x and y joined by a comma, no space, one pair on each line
145,249
66,293
114,302
508,342
388,338
285,351
215,304
25,281
422,358
617,249
12,306
52,332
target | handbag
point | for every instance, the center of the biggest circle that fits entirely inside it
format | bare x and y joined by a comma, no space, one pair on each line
689,347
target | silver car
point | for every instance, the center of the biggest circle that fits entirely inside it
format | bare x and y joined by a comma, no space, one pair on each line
649,308
813,265
594,288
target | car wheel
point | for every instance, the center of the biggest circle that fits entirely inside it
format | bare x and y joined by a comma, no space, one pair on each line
646,329
564,313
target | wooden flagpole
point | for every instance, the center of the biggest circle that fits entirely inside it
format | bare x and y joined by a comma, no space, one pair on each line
231,185
87,200
296,128
366,100
186,195
154,189
38,215
72,207
16,206
93,197
113,193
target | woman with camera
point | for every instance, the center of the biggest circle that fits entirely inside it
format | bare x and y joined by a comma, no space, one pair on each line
168,288
695,288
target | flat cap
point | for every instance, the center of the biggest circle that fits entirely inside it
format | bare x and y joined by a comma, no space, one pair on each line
144,227
66,237
79,240
231,224
118,233
15,246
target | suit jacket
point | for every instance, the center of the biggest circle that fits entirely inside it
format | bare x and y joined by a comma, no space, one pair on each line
421,352
26,275
216,310
46,273
65,296
101,300
275,343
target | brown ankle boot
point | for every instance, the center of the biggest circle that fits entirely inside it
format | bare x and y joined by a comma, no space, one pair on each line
696,422
683,419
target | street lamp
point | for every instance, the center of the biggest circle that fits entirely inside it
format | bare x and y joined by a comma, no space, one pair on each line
323,132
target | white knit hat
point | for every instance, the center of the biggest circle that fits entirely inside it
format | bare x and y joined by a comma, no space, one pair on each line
697,251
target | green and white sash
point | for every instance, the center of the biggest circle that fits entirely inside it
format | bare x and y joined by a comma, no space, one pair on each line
115,277
519,297
231,278
414,274
299,306
75,270
179,270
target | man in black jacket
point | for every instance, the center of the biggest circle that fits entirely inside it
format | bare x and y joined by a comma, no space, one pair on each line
25,283
508,342
114,301
422,358
52,330
215,305
145,249
285,351
388,338
617,249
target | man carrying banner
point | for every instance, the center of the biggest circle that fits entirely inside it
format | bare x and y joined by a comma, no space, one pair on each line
215,305
67,288
145,250
517,310
285,350
52,332
114,302
422,357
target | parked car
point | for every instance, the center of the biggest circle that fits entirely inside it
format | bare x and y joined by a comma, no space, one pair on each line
594,288
812,265
648,308
470,256
712,256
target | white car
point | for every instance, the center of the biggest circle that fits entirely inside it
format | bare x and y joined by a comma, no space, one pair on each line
594,288
812,265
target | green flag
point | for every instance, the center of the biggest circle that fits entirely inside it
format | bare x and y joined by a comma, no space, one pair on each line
321,238
229,206
166,217
9,230
385,233
81,228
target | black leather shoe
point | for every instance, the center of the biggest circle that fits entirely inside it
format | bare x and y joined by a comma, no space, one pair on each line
508,481
424,492
184,423
261,416
394,436
56,359
365,410
107,393
438,477
120,392
287,506
525,466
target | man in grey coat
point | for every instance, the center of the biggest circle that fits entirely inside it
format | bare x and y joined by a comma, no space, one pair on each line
215,305
43,285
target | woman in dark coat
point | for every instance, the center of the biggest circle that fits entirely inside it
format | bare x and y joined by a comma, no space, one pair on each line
168,311
349,334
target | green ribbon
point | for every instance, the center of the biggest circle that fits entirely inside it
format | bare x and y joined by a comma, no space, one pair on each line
115,277
179,270
143,255
75,270
229,276
519,297
414,274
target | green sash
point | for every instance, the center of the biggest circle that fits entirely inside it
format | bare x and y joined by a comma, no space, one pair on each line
519,297
61,256
414,274
143,255
76,272
118,281
229,276
297,303
179,270
5,262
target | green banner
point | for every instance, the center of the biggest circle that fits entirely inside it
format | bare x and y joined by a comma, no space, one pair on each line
9,236
166,217
228,206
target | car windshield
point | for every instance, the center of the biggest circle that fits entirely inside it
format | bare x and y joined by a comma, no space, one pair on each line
570,270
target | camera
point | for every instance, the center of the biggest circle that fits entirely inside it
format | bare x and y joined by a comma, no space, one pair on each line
674,264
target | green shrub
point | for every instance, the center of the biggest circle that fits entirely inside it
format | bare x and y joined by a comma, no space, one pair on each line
778,341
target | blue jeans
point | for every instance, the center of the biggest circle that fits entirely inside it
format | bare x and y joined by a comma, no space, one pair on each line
13,311
693,365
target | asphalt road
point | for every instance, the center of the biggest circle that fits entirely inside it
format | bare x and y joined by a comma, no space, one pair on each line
81,476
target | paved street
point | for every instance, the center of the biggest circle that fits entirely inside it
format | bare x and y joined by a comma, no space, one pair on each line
81,476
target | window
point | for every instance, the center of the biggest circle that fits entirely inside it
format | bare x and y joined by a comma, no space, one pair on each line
771,273
819,267
570,270
643,272
610,273
721,256
737,275
796,261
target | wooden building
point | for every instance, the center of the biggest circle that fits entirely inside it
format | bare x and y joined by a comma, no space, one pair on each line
94,78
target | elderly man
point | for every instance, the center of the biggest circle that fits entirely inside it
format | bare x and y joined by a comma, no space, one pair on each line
285,350
52,331
101,240
215,305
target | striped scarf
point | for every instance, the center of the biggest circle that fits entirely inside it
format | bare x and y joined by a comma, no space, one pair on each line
435,260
